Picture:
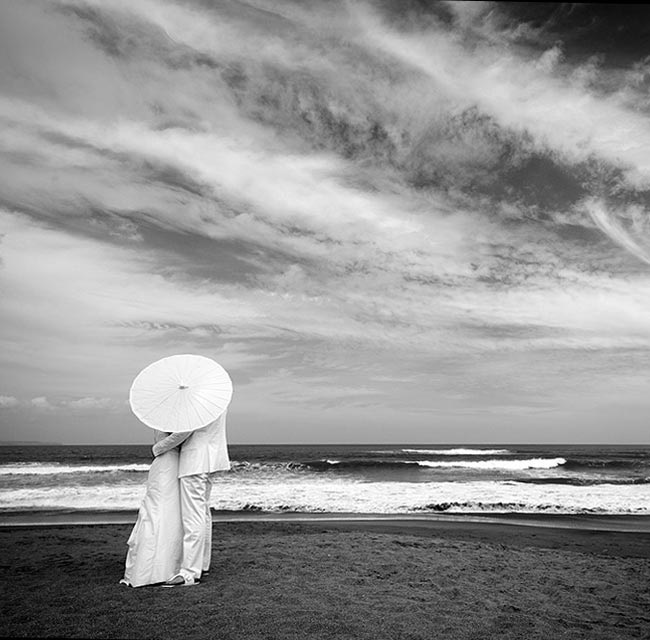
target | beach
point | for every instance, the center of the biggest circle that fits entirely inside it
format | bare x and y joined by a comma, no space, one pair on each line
341,541
344,577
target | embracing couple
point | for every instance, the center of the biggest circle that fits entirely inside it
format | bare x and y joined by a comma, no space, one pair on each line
171,542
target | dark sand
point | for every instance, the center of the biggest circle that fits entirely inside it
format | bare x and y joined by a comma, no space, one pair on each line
396,578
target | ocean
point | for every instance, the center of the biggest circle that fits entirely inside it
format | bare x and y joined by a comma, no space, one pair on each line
372,479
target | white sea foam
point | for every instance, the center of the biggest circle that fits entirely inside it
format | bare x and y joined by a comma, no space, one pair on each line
326,494
512,465
244,466
37,468
458,452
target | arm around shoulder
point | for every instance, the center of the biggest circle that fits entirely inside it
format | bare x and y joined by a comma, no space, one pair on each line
171,441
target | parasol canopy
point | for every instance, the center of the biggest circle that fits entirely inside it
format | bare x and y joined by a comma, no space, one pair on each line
180,393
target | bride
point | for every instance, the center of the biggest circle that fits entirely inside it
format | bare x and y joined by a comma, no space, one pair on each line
156,542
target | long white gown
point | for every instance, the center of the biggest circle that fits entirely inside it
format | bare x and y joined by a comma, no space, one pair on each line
156,542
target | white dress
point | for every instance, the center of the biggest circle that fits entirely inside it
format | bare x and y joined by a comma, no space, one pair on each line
156,542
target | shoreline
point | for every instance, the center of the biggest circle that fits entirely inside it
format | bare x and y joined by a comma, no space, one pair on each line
582,522
621,536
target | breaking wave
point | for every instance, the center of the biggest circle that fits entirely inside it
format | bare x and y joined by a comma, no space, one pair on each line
590,464
512,465
315,493
36,468
458,452
582,481
245,465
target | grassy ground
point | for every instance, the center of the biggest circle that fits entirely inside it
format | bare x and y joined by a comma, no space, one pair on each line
314,581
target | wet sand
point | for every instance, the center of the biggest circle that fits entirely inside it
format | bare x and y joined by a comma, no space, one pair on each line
344,578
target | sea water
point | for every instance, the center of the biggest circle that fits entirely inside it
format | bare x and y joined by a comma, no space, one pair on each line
571,479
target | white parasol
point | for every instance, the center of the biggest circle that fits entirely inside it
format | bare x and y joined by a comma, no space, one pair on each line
180,393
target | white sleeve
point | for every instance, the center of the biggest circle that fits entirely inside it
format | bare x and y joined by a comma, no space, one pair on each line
171,441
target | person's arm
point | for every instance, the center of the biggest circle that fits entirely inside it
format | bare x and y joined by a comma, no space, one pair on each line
159,435
171,441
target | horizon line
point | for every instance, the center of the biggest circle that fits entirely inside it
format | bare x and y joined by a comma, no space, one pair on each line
9,443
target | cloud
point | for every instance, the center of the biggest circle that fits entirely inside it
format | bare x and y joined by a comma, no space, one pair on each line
348,193
63,73
41,403
90,403
522,94
8,402
635,238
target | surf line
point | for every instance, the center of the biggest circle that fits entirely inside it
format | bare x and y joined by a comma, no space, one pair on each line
422,520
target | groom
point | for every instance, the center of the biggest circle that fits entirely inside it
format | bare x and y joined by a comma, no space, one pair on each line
202,452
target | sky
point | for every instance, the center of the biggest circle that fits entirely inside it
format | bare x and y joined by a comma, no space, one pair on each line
390,221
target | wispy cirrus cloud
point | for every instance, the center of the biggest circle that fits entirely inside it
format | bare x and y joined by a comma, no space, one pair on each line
335,191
